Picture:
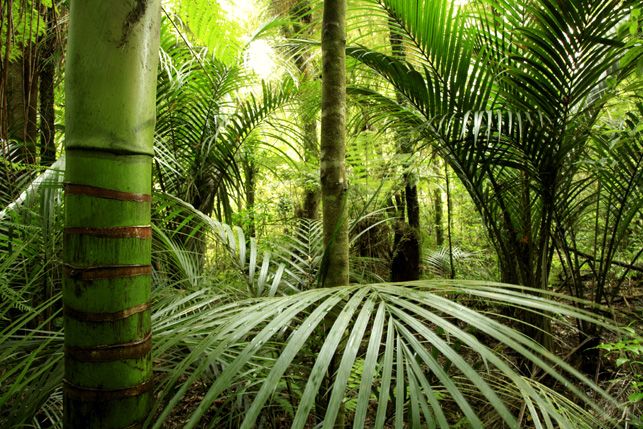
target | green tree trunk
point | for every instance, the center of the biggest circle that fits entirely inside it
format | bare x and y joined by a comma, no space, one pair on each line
333,143
301,16
110,94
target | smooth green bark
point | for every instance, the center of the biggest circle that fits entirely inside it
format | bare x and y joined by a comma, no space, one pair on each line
111,77
334,186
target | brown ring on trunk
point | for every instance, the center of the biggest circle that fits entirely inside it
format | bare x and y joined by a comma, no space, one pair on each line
116,232
87,394
93,191
131,350
105,317
105,272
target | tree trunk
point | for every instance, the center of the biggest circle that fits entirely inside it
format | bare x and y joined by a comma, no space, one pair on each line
110,94
332,169
47,77
21,92
250,169
439,229
333,143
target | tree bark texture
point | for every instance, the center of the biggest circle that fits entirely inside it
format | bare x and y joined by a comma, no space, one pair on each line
110,115
250,169
22,102
333,143
332,169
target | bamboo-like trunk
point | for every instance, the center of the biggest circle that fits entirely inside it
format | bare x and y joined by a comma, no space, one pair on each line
111,77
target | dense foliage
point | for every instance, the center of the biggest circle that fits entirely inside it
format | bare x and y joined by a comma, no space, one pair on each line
520,123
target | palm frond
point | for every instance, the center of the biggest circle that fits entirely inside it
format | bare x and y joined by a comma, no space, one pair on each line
262,274
410,341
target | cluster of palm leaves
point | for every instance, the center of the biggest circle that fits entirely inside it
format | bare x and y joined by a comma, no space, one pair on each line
511,94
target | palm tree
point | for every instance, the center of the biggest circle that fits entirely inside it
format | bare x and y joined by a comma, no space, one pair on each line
203,126
609,198
509,94
111,75
423,353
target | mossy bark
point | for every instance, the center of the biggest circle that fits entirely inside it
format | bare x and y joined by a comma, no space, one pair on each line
110,115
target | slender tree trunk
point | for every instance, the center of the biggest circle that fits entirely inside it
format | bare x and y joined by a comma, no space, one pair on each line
302,18
18,118
250,169
449,237
333,143
21,93
110,94
439,228
47,76
332,169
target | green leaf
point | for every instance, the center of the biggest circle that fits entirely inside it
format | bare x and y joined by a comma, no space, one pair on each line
632,54
634,397
621,361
